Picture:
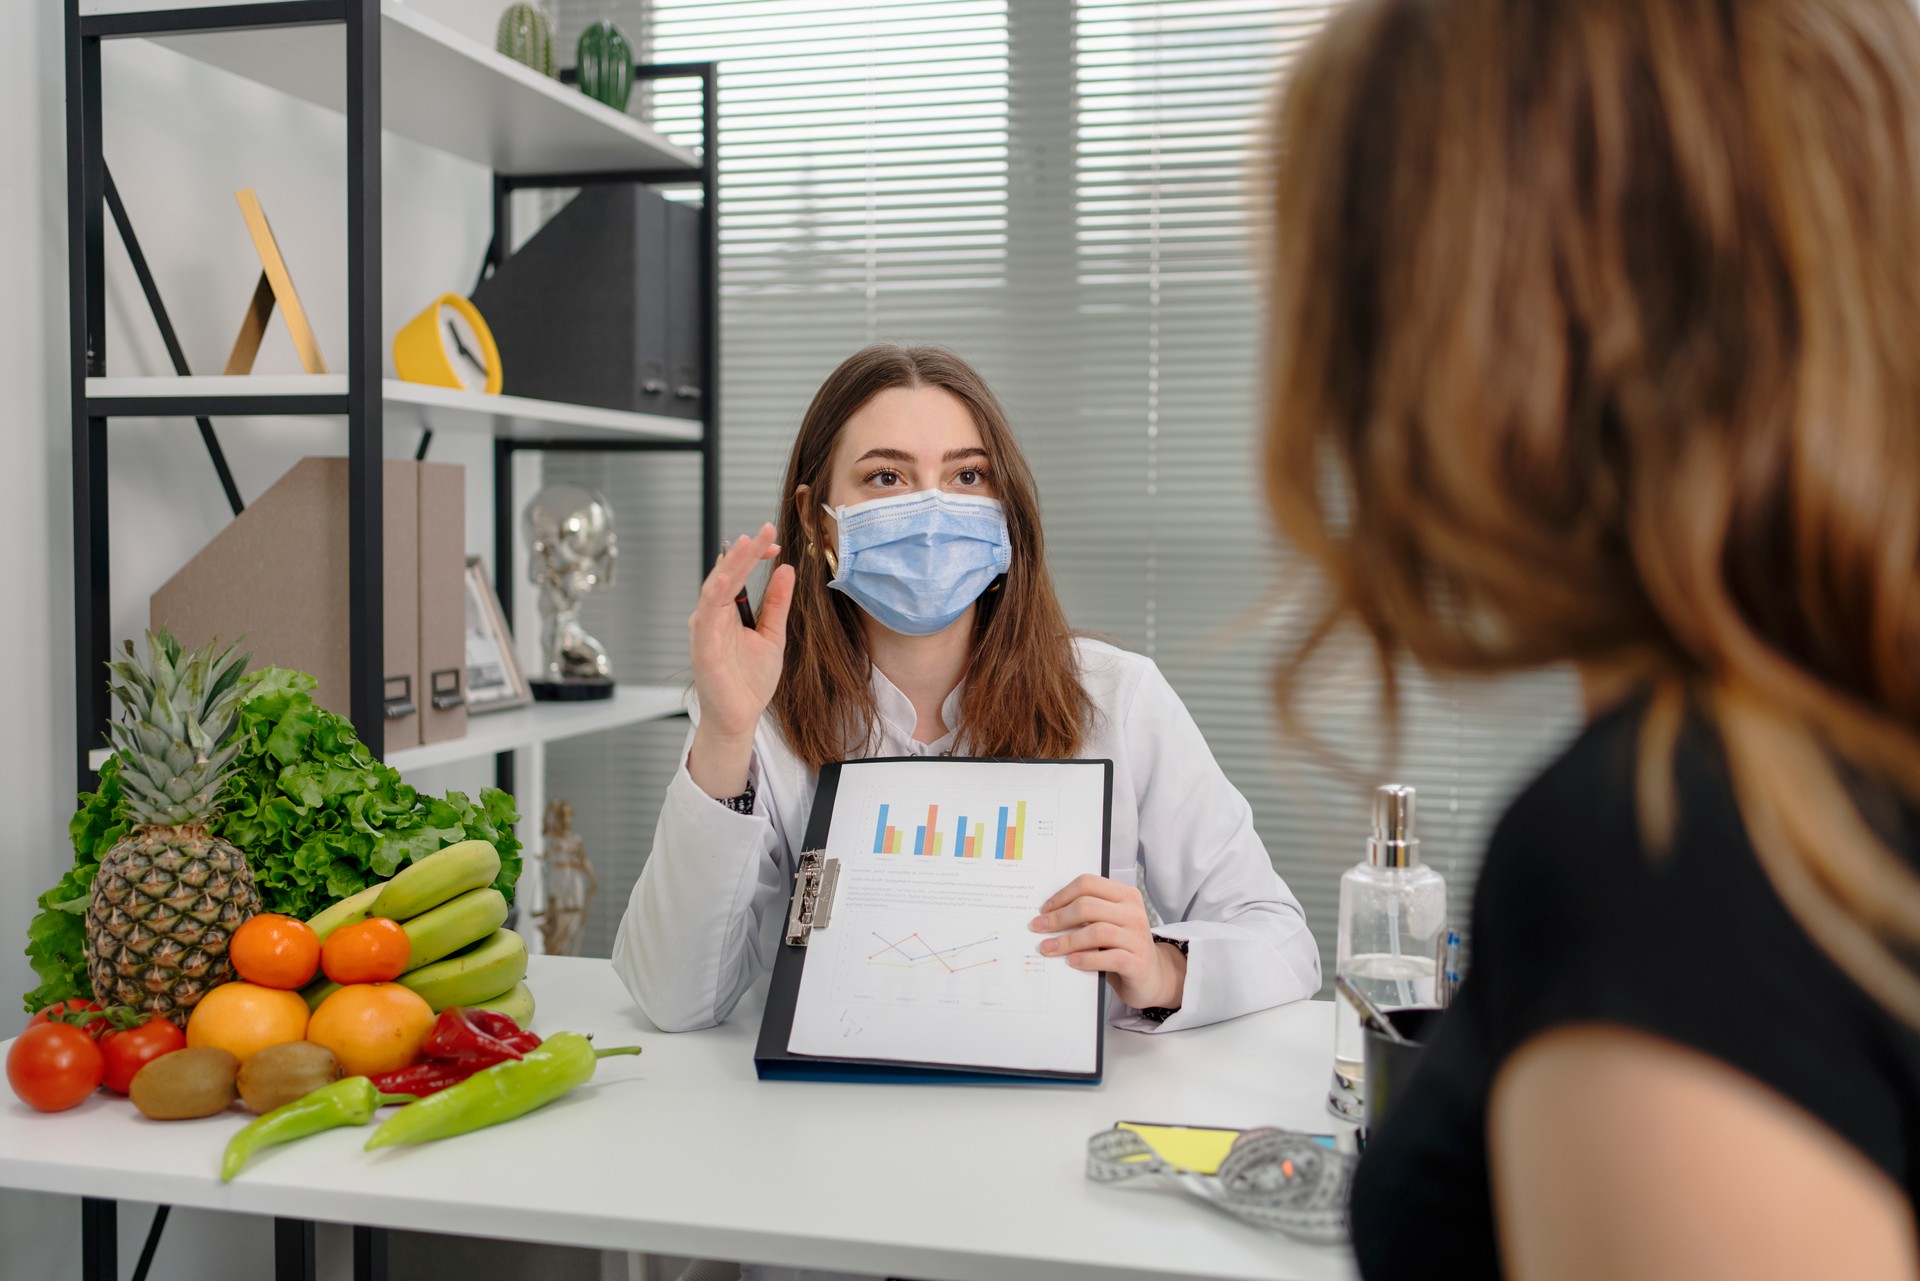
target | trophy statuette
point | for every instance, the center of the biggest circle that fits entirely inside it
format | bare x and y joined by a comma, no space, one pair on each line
571,552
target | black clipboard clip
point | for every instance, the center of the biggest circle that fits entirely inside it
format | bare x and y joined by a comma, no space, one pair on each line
812,905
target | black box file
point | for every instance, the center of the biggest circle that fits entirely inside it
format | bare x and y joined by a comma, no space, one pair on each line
602,305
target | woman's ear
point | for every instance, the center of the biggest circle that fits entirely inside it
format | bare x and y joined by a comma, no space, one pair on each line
811,524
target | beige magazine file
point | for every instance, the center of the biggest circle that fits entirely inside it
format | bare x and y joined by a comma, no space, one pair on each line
277,577
443,601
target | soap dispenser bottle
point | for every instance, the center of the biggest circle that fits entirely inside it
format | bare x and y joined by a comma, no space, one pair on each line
1393,909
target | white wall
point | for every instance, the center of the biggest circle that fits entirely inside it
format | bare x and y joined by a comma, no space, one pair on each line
36,1233
180,139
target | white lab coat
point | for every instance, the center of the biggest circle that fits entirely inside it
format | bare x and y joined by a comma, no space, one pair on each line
705,916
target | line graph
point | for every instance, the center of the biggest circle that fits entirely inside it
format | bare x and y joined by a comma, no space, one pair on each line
932,968
902,958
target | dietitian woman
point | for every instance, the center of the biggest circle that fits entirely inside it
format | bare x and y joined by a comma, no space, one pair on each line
1617,366
911,614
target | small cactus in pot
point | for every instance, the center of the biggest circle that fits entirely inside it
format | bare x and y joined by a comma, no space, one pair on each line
525,34
604,63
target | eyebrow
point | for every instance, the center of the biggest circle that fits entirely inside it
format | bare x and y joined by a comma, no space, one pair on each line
902,456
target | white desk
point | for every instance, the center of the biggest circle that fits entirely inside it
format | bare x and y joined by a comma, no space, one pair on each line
683,1152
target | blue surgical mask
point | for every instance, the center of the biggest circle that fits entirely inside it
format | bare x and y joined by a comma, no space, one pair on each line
916,561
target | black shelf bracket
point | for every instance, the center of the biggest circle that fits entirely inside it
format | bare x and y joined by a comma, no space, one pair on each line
198,20
86,340
175,354
366,527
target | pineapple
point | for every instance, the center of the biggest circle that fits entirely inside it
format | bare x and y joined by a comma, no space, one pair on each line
169,896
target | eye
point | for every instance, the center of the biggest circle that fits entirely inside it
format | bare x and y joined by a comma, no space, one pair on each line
885,478
970,476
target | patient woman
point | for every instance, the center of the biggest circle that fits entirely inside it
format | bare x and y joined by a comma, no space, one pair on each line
1596,339
911,614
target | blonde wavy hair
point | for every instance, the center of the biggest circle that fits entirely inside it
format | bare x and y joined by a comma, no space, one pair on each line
1595,336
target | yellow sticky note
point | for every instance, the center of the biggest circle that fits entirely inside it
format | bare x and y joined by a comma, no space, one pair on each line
1194,1148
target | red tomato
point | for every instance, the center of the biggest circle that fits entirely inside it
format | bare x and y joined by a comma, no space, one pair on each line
126,1052
54,1067
92,1027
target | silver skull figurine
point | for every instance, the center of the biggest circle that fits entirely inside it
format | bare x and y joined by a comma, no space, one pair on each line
572,552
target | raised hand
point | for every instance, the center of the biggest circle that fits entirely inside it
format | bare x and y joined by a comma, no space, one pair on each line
735,668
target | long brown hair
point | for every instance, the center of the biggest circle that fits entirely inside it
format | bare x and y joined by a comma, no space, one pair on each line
1031,704
1595,336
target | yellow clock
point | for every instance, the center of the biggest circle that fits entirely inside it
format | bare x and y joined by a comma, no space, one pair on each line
448,345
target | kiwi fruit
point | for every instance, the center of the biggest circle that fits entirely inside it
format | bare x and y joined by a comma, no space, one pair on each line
185,1084
282,1073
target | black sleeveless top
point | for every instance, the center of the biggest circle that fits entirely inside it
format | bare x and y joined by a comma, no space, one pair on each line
1573,922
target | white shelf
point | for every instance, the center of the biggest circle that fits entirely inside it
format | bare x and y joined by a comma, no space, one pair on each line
410,404
524,726
444,409
440,88
545,723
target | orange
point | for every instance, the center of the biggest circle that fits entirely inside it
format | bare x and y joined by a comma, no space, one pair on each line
372,1027
369,952
275,951
242,1018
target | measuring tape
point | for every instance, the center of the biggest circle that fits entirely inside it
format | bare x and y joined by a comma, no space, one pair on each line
1272,1178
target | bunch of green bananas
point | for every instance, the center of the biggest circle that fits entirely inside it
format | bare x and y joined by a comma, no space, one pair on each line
459,953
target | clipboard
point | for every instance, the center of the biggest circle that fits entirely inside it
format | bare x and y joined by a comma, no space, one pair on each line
811,907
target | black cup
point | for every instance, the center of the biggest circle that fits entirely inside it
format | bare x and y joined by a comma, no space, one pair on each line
1389,1064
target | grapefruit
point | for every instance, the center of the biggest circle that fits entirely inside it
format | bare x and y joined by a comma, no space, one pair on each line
243,1018
372,1027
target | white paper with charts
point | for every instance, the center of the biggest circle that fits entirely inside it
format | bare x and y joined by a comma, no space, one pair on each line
928,956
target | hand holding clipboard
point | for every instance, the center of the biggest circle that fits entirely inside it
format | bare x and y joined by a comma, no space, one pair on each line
908,949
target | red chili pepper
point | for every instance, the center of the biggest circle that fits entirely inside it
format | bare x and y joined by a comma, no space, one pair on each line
429,1077
505,1029
458,1034
494,1023
461,1043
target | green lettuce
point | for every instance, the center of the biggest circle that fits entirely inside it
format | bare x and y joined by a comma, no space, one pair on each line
317,816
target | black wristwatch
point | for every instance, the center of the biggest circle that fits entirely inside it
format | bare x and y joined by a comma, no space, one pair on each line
1160,1013
741,804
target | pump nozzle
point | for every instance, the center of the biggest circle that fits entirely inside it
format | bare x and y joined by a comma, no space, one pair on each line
1393,843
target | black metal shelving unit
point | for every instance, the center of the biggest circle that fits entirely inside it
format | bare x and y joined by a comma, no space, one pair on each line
89,195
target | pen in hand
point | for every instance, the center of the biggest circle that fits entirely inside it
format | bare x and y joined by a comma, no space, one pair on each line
745,606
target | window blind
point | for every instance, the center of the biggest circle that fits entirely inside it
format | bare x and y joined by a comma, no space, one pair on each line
1056,191
1168,548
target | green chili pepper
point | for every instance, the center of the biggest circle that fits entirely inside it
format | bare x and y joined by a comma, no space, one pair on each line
347,1102
500,1093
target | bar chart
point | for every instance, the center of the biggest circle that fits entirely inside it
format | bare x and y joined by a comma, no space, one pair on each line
980,829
